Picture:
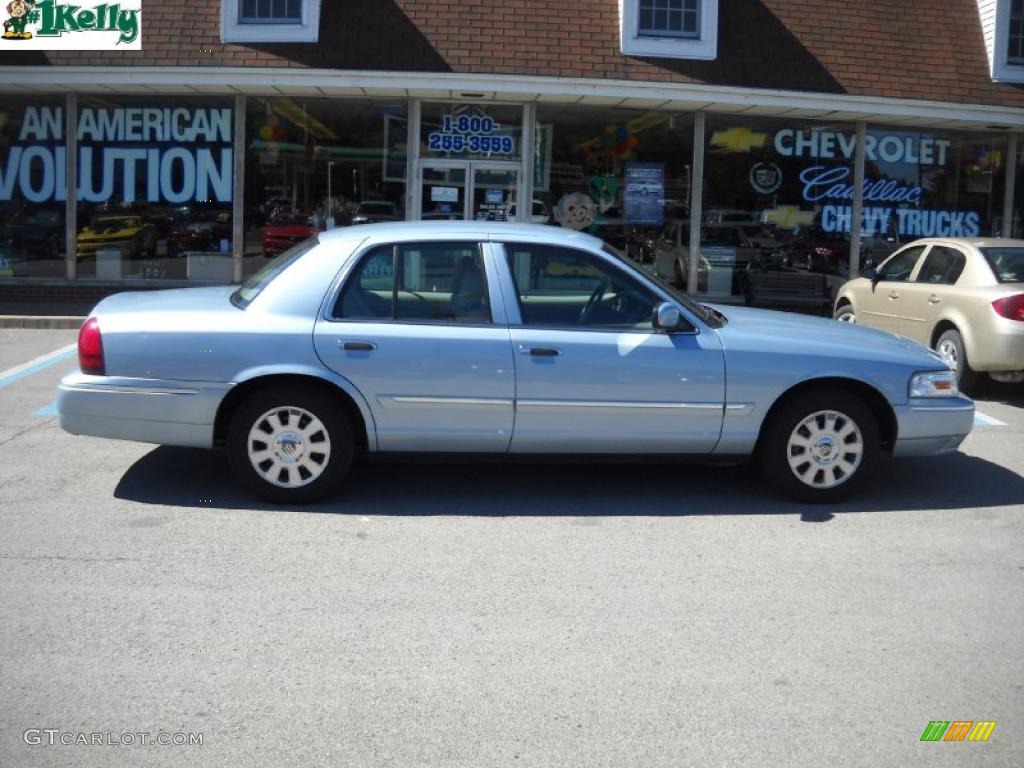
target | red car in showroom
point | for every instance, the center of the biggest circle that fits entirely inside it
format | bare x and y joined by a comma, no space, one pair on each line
285,230
203,230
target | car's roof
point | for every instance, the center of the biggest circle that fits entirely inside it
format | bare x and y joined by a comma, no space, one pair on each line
461,230
976,242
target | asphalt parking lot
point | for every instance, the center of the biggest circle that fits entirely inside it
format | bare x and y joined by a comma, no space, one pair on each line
500,614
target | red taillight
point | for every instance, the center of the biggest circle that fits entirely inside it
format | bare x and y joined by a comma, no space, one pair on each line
1010,307
90,348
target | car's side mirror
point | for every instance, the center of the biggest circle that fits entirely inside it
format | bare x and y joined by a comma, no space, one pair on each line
667,317
870,273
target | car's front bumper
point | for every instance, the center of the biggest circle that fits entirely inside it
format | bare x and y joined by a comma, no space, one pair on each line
930,426
145,410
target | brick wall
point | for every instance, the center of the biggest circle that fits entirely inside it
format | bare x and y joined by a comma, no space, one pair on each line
915,49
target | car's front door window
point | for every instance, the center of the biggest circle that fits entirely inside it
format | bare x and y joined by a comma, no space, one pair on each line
567,288
898,268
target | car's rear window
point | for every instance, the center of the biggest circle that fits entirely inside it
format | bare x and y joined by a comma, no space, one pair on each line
1007,263
252,287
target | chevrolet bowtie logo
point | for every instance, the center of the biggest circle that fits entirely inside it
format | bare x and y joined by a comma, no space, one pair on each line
738,139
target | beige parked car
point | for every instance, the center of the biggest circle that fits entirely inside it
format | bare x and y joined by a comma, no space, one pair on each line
961,297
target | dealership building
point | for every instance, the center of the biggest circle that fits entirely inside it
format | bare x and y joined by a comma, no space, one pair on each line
157,144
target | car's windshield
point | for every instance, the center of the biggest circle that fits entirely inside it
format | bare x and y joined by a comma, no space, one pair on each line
1007,263
252,287
705,313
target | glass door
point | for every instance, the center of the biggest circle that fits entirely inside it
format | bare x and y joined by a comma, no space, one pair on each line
494,192
443,191
461,190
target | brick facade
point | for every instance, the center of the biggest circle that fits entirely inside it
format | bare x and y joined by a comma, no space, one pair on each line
911,49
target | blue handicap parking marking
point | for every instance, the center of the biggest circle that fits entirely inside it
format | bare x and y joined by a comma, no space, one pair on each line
25,370
47,410
983,420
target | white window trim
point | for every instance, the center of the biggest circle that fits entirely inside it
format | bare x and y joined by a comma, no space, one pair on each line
233,30
1002,69
703,46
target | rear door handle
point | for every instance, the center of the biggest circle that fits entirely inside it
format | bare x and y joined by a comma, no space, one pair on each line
540,351
357,346
893,295
933,299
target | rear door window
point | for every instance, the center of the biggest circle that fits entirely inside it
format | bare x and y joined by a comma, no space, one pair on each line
942,266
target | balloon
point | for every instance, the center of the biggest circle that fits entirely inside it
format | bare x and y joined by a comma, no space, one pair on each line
622,134
280,134
266,133
632,142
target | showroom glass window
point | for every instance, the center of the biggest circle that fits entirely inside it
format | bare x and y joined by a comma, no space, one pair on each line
620,174
777,204
934,183
315,164
33,187
155,188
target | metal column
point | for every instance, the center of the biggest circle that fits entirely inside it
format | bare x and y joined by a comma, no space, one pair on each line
857,211
238,192
696,202
71,196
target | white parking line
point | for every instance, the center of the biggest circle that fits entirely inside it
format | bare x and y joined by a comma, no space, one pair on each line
983,420
18,372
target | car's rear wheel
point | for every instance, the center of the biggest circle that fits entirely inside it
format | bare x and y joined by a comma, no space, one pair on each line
845,314
950,346
820,446
292,446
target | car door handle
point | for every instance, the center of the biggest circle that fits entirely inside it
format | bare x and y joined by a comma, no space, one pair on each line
933,299
540,351
893,295
357,346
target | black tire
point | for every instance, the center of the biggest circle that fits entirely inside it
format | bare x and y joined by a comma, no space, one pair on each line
966,377
314,401
843,312
774,446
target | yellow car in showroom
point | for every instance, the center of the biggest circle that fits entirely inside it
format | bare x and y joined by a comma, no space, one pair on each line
963,298
132,234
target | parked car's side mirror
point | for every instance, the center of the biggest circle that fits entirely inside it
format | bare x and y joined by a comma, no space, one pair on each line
667,317
870,273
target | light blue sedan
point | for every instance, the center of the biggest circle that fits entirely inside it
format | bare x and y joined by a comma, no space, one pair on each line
497,338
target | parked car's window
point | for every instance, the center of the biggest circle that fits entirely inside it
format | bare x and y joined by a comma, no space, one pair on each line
422,281
252,287
898,268
566,288
942,266
1007,263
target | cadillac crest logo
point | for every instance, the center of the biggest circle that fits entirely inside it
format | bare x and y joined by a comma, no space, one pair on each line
765,178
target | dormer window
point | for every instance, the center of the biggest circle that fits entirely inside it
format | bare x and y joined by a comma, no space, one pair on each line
680,29
670,18
270,21
1015,44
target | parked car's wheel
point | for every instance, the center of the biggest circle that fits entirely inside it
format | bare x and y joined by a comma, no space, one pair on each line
950,345
820,446
845,314
293,445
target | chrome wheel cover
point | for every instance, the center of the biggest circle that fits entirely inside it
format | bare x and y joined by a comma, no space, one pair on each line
825,449
847,316
288,447
947,351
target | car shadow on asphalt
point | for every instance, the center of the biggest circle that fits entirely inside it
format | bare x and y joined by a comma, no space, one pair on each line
185,477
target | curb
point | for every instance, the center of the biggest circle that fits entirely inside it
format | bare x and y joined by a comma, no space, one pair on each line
37,321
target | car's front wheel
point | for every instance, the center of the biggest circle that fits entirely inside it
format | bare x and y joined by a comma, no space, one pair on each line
293,446
820,446
845,314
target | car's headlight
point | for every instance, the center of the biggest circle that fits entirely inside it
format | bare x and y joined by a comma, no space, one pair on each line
934,384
